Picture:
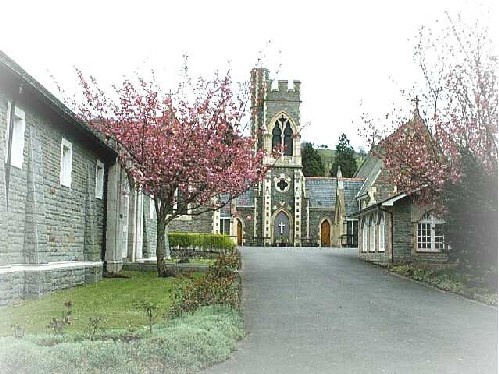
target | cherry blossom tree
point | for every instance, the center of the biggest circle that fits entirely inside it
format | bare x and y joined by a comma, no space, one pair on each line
458,112
445,154
184,149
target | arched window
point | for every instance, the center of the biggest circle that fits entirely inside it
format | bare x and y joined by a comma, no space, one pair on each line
276,135
288,140
364,229
381,233
372,233
283,127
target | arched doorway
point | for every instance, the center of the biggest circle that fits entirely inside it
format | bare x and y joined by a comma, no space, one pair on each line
239,232
325,233
281,229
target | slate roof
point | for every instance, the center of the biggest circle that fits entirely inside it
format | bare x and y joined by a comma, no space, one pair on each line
351,188
369,171
245,199
10,70
322,192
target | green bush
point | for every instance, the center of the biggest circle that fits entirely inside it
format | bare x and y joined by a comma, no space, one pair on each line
219,286
449,279
181,345
203,242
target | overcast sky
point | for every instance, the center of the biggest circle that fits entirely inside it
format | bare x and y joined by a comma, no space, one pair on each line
342,52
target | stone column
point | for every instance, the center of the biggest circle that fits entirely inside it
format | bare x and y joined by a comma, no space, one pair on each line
114,261
136,227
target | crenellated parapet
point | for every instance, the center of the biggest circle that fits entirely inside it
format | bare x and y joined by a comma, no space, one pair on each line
284,90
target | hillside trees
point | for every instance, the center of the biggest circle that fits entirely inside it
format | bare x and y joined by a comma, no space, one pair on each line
344,158
184,149
311,161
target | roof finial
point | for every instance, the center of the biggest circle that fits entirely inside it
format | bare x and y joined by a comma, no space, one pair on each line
416,101
339,179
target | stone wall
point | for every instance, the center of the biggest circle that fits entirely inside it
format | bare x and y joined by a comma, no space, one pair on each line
316,217
201,223
34,281
46,222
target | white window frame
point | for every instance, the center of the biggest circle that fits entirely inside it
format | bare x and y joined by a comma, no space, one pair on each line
66,162
372,234
381,233
17,145
224,224
364,234
99,179
426,238
152,208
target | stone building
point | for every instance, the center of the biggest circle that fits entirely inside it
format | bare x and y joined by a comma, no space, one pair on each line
67,208
286,208
393,228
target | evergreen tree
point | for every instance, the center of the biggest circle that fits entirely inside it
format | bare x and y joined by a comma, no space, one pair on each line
311,161
471,218
344,158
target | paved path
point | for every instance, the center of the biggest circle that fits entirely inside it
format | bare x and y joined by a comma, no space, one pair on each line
324,311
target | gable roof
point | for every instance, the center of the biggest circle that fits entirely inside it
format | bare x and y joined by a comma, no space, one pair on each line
11,72
373,167
369,171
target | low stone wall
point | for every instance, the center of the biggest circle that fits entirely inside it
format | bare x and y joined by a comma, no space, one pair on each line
32,281
151,266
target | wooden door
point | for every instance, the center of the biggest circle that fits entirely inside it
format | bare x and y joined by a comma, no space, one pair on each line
239,233
325,234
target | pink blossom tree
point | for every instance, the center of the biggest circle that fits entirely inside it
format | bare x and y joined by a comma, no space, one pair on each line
184,149
458,113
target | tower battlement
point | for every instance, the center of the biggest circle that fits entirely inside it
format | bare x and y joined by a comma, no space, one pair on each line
284,85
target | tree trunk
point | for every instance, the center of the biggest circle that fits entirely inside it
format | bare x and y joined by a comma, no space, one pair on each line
162,248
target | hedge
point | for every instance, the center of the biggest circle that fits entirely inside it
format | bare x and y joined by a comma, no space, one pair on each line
202,242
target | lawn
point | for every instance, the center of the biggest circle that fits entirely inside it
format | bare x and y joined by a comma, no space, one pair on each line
205,330
119,302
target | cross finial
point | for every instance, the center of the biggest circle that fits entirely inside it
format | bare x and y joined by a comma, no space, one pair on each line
416,101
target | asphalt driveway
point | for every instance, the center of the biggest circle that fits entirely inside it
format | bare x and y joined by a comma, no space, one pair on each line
310,310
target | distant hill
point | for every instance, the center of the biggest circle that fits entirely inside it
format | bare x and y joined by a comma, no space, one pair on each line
327,156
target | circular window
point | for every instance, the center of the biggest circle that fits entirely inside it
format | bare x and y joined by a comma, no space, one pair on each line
282,184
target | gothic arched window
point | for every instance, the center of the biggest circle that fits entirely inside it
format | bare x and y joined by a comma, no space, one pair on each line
276,135
283,126
288,140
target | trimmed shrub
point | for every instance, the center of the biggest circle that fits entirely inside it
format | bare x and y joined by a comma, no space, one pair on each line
202,242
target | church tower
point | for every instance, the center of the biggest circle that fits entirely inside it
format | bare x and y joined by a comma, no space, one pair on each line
275,121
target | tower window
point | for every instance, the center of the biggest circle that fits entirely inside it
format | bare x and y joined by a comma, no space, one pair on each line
276,136
282,125
288,140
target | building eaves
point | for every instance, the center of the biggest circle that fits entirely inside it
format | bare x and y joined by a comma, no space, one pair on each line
53,102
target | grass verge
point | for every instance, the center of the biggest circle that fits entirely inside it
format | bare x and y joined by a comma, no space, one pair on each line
202,329
181,345
450,279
